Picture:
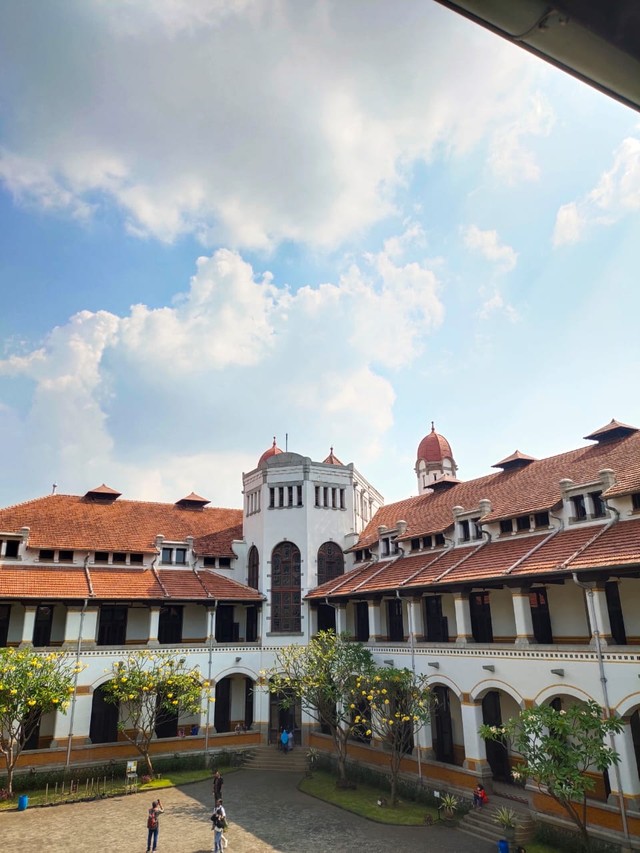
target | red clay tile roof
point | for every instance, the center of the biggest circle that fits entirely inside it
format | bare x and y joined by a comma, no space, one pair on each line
612,428
529,489
332,459
104,491
78,523
271,451
193,499
516,458
560,552
434,447
122,584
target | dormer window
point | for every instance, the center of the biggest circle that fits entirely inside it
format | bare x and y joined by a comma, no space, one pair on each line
415,544
541,519
101,557
506,526
523,523
579,507
439,539
174,556
386,547
635,503
11,548
46,555
477,528
427,542
465,534
599,508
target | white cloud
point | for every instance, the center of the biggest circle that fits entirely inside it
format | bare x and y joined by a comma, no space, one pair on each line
510,159
244,123
569,225
616,195
168,399
488,244
496,304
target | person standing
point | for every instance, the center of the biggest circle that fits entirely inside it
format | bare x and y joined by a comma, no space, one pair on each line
218,782
284,740
217,826
153,824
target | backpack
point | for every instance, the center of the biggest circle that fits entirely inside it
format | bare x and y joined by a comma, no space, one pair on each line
152,820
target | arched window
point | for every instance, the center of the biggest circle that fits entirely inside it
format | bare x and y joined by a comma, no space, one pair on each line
285,588
330,562
254,568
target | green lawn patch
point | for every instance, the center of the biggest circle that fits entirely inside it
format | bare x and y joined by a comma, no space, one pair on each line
100,787
363,801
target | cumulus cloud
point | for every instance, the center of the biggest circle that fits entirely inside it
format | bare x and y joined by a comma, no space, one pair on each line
487,244
616,195
168,399
244,123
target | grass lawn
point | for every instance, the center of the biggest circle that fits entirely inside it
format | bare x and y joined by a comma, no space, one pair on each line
170,779
363,801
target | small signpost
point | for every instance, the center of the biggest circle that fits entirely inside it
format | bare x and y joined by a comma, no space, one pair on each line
131,778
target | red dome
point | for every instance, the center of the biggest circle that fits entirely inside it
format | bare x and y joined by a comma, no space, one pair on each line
272,451
434,447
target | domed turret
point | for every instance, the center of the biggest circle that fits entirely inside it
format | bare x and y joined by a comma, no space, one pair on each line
274,450
434,460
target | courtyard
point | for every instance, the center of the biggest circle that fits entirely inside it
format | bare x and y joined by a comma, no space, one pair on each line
266,813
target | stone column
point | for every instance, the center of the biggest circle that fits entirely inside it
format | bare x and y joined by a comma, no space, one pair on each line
463,618
28,624
211,625
313,621
475,750
154,622
416,626
599,600
522,615
374,622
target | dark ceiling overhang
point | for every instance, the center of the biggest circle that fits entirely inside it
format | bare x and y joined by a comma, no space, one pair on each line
597,41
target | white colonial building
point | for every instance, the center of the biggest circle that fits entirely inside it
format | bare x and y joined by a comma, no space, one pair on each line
511,590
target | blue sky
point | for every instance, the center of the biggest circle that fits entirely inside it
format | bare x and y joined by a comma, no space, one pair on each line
222,221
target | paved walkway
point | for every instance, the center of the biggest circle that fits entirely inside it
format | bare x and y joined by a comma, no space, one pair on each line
266,813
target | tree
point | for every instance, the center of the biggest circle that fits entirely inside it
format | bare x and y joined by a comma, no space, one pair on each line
393,705
322,676
150,689
31,684
557,748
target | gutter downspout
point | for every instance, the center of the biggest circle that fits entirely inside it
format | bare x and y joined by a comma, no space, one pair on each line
209,672
413,669
605,694
75,680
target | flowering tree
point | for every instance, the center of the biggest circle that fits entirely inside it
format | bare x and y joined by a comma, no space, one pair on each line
150,689
322,675
557,748
31,684
393,705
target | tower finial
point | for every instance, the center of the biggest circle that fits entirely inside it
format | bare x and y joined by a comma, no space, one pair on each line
274,441
433,429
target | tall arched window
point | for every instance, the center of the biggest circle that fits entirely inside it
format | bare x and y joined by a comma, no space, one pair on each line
330,562
254,568
285,588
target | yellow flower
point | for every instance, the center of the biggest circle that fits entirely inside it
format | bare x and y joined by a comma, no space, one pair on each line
55,700
31,702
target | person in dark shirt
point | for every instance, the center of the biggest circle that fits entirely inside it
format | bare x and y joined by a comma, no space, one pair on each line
218,782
